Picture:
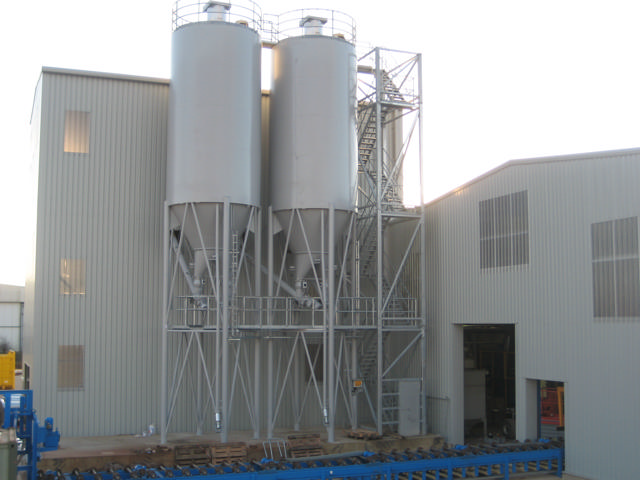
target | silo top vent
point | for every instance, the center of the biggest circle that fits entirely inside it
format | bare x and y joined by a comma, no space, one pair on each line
241,12
309,21
312,25
217,11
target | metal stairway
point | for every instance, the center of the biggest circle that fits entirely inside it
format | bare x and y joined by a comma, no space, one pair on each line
382,107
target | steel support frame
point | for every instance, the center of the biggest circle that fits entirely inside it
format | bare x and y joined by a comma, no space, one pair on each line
212,376
376,95
328,282
338,372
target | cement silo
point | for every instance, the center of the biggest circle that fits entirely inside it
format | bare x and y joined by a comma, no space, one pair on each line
214,129
313,131
213,185
313,166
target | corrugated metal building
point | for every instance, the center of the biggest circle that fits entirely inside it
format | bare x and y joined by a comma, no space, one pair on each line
544,252
541,255
92,313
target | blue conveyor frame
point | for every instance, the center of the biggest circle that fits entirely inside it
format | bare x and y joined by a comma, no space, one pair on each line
461,464
20,415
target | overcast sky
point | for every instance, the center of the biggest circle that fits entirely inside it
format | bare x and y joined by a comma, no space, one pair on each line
503,79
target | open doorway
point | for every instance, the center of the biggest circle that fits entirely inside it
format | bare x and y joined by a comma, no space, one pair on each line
490,392
551,409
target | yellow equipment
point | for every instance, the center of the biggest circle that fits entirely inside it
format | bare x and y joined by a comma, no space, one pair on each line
8,371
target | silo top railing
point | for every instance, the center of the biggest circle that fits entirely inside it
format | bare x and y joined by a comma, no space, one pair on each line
292,24
243,12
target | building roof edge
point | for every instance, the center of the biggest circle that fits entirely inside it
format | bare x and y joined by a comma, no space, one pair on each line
110,76
538,161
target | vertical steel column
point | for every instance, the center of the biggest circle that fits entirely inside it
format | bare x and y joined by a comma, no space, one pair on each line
270,377
224,399
216,358
258,341
379,257
423,260
325,318
297,386
332,325
165,326
199,374
355,293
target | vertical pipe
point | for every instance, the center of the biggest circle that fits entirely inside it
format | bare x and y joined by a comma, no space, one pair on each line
226,237
258,341
297,386
332,324
325,319
218,319
199,375
423,259
379,292
270,377
165,321
355,293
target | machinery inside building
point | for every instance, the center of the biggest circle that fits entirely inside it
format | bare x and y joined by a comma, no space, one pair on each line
489,361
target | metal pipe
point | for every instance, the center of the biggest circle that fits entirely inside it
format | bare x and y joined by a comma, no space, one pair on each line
195,291
297,387
303,300
257,351
423,259
332,324
379,257
226,304
270,387
219,312
165,321
325,306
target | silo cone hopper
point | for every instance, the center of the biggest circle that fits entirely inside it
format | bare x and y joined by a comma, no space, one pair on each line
307,242
202,225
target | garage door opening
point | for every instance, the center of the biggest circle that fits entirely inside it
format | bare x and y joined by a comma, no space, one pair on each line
489,390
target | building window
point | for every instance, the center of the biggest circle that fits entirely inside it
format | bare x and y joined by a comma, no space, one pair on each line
70,367
504,231
72,276
616,268
76,131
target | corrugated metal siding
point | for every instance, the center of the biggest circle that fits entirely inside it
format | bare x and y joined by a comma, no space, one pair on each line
29,289
549,301
104,207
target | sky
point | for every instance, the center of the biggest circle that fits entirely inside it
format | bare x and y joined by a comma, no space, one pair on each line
502,79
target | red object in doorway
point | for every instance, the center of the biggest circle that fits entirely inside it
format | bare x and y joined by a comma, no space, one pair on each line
550,410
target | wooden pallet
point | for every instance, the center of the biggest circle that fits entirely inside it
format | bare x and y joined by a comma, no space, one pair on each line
192,454
361,434
304,445
229,452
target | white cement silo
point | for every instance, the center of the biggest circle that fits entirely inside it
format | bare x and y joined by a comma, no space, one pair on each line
313,135
214,122
213,190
